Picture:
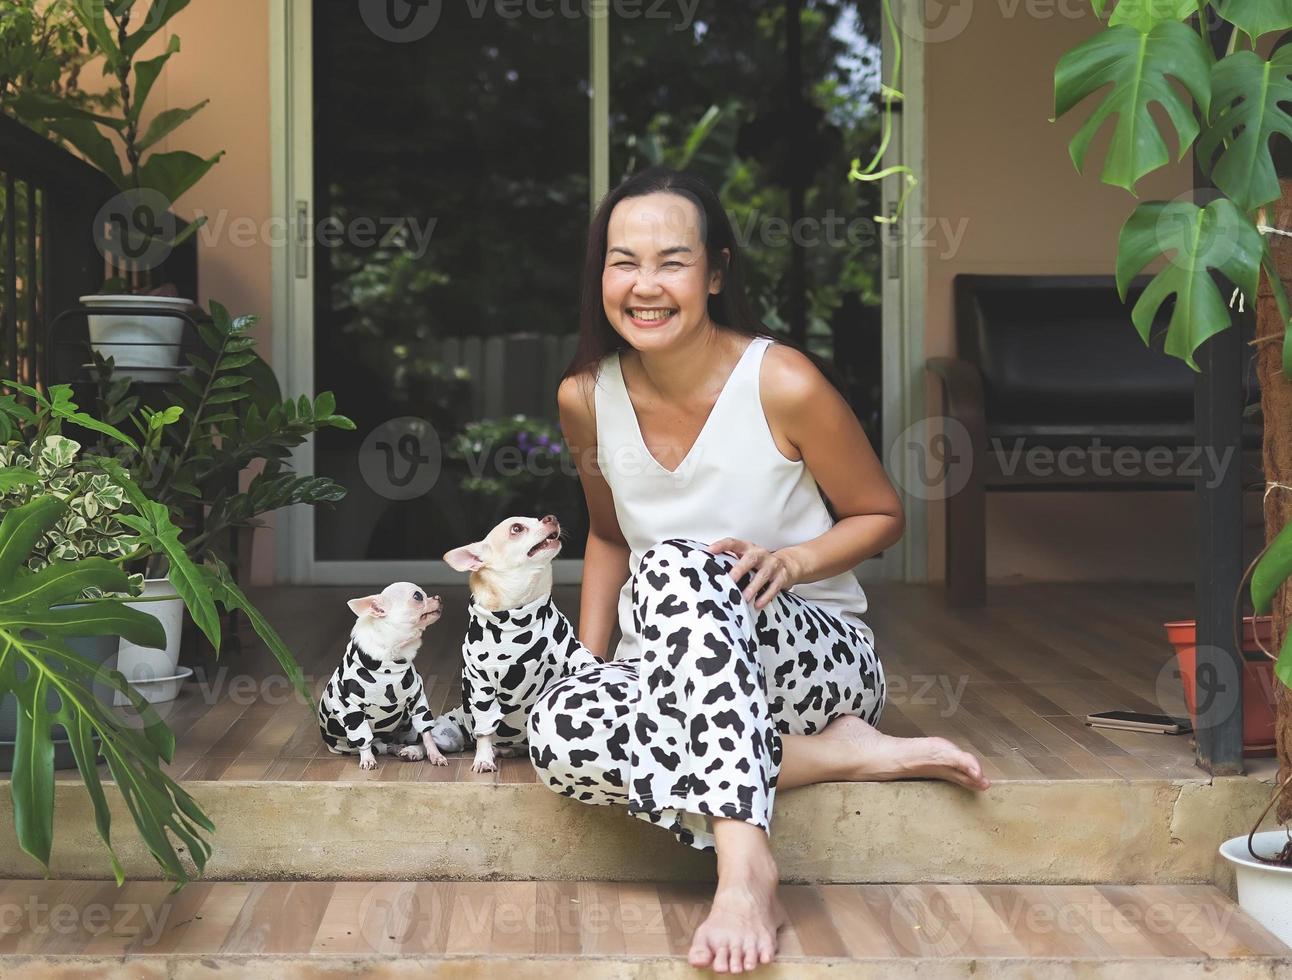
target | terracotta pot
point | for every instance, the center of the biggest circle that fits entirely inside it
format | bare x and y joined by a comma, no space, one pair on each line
1258,679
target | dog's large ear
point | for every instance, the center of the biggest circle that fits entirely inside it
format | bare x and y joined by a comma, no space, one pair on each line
371,605
468,558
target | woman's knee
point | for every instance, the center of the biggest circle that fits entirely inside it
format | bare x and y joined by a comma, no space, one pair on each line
688,561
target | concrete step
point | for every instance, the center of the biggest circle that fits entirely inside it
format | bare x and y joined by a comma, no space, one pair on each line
1039,831
620,929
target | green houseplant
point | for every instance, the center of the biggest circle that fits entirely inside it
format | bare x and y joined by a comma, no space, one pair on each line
222,416
54,686
138,230
1158,51
205,588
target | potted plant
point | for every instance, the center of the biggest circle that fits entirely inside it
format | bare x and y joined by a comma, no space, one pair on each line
1232,106
220,419
202,587
89,527
1257,683
136,229
54,687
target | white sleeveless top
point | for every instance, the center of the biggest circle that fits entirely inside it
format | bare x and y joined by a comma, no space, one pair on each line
734,483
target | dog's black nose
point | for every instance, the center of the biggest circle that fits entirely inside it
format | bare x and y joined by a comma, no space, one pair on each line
549,519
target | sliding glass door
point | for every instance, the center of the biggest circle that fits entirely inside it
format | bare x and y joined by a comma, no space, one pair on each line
451,154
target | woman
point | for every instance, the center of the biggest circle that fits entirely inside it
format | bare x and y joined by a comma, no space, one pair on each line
745,665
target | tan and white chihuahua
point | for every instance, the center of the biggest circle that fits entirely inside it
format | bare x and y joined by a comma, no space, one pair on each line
374,702
517,644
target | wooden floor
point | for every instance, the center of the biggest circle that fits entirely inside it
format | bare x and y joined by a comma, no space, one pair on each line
640,919
1011,682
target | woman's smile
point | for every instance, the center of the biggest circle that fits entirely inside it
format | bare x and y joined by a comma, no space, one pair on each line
651,316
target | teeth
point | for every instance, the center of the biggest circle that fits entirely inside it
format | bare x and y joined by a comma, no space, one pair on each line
652,314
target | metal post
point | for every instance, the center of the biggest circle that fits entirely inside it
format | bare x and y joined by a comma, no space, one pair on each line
1218,406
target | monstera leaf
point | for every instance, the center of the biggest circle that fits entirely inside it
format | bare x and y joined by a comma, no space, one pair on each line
1246,96
1138,65
1195,241
1143,15
54,686
1257,17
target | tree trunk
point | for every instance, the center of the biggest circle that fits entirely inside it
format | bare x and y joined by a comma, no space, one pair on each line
1276,409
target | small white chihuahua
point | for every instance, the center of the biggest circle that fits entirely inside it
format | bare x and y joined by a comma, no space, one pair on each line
374,701
517,644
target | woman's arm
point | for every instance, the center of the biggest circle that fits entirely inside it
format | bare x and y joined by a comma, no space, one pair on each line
804,409
605,560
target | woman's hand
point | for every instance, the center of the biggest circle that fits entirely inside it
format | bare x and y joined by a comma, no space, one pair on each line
773,570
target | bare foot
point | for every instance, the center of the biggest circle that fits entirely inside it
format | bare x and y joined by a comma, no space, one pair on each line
882,757
740,931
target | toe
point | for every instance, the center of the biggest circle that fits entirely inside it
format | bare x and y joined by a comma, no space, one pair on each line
766,949
751,953
700,954
720,961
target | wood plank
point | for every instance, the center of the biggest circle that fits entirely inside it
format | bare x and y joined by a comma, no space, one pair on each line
1011,683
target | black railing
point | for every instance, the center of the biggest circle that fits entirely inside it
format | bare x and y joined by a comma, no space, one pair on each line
49,256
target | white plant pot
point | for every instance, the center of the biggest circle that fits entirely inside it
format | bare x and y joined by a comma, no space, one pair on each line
161,689
149,343
146,666
1264,890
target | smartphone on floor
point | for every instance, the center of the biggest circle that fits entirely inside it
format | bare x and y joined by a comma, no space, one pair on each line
1138,721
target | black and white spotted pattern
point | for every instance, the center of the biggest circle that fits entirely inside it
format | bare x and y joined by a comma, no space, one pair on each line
372,704
509,658
692,728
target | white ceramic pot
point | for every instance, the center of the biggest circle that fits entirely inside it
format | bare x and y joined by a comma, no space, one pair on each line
159,690
1264,890
136,341
145,666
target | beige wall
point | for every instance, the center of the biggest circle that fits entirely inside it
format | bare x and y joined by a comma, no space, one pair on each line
995,163
225,58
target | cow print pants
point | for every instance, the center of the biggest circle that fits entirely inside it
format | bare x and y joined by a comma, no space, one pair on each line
692,728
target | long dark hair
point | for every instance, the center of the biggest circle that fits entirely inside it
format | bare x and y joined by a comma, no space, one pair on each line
729,308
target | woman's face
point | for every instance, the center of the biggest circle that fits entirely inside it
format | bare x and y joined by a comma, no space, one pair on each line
656,283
